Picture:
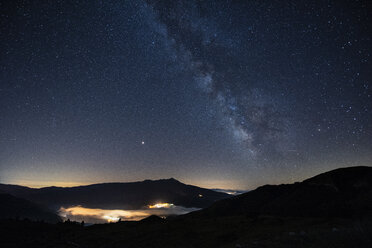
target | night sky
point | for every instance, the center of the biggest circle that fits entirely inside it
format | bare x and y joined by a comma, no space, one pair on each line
220,94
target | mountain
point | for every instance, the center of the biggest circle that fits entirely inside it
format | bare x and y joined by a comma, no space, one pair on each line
119,195
344,192
332,209
16,208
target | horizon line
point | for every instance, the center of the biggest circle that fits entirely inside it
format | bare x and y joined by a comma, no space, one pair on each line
61,184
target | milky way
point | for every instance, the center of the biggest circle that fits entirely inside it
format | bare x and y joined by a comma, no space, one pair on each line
251,116
220,94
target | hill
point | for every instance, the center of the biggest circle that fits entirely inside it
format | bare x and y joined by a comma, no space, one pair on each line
119,195
15,208
344,192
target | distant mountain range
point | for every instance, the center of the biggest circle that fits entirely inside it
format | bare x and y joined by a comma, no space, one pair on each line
119,195
15,208
344,192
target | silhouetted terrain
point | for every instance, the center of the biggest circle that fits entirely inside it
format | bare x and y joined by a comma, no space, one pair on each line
344,192
15,208
119,195
330,210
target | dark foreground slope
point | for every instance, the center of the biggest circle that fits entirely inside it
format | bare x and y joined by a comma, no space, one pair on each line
345,192
224,232
119,195
15,208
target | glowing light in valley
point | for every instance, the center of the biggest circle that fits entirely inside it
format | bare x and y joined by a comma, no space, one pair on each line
80,213
161,205
96,215
111,218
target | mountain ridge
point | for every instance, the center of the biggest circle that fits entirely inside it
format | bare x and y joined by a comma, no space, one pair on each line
343,192
130,195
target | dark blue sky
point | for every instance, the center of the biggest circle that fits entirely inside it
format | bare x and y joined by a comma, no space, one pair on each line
229,94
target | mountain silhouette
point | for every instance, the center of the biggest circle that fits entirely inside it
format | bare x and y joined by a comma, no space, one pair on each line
344,192
332,209
133,195
16,208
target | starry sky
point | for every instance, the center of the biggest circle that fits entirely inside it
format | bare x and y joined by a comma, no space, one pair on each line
220,94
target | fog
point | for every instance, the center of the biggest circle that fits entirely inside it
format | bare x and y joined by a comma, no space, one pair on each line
96,215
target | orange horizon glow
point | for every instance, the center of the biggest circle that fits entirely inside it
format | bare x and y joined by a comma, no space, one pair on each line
38,185
75,182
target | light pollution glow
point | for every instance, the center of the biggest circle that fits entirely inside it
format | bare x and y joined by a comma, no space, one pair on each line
96,215
79,213
161,205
